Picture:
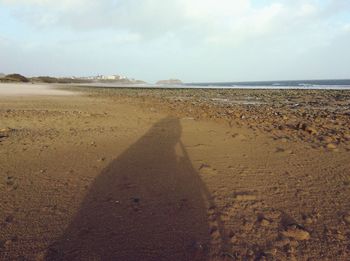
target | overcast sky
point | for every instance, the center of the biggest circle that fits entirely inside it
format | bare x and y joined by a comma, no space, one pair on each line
193,40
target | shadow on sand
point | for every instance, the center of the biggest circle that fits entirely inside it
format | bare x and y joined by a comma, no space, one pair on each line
147,204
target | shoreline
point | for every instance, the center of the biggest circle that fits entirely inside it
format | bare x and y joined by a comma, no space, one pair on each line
314,116
213,87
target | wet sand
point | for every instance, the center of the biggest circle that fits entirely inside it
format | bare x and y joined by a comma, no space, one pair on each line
168,175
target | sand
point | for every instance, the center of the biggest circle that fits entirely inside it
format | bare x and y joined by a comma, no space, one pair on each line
29,89
125,175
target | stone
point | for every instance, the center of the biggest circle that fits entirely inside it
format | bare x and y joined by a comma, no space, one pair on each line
311,130
347,136
308,220
245,197
4,133
331,146
264,222
327,139
296,232
6,130
347,218
9,219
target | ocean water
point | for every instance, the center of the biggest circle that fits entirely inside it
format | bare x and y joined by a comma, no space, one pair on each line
307,85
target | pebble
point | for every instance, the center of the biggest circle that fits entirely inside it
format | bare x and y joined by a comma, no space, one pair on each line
245,197
340,236
282,242
327,139
9,219
8,243
5,130
239,136
41,256
311,130
347,218
296,233
264,222
271,251
331,146
308,220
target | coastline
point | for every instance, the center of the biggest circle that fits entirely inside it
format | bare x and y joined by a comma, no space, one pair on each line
318,117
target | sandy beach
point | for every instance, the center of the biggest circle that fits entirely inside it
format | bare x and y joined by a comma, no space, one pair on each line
30,89
126,174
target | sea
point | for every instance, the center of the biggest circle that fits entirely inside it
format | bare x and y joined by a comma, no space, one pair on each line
304,84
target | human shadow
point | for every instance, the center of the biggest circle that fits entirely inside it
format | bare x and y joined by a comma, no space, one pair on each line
147,204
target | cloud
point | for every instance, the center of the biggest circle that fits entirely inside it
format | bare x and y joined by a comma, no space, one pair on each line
224,36
152,16
211,21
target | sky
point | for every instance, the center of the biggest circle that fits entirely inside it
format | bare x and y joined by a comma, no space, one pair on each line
191,40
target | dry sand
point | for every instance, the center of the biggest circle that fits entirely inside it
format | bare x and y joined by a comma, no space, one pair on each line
29,89
114,176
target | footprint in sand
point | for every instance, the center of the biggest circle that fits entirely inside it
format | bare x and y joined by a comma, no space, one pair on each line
240,136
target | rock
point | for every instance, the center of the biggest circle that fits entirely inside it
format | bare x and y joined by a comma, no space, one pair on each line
271,251
264,222
311,130
239,136
282,242
308,220
279,149
340,236
301,126
41,256
9,219
347,136
135,200
9,180
331,146
327,139
296,232
7,243
347,218
5,132
7,129
245,197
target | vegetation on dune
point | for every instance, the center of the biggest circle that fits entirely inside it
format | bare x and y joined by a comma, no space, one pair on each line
49,79
15,77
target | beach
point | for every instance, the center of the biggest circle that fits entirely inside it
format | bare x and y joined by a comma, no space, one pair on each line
167,174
